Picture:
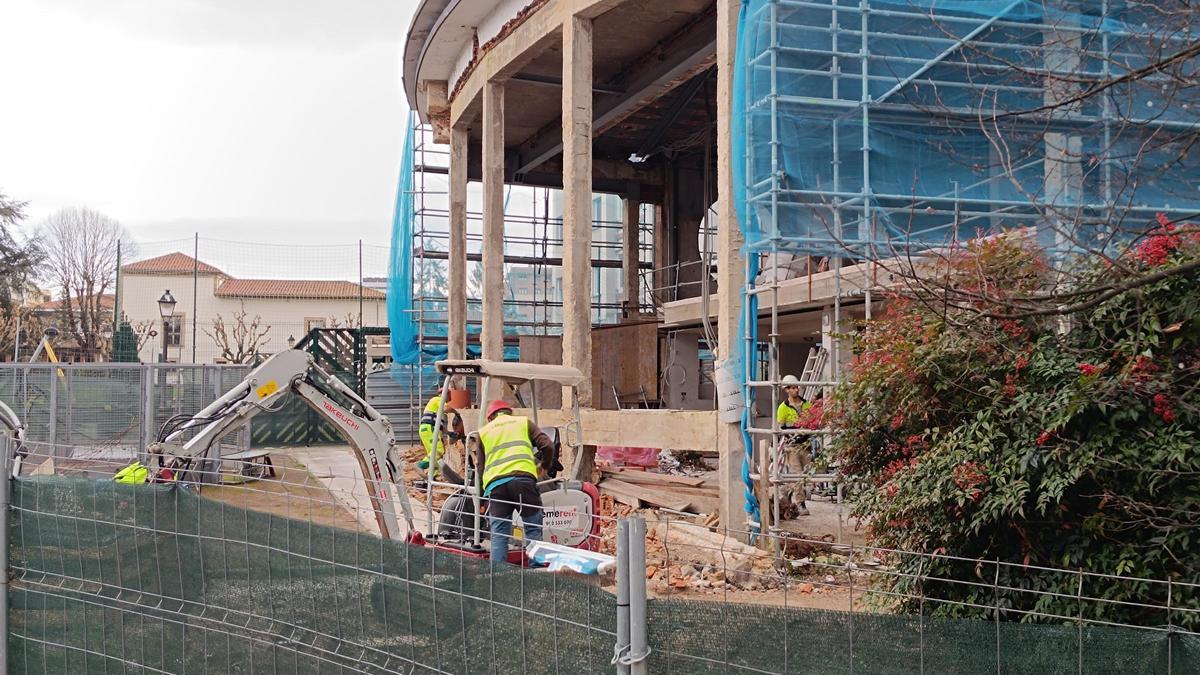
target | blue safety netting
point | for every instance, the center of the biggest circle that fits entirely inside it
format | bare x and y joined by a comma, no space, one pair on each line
400,269
865,129
408,347
864,126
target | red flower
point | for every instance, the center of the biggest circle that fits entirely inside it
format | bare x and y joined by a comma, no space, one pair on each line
1162,408
1044,437
1155,249
1088,369
1021,363
897,422
1143,368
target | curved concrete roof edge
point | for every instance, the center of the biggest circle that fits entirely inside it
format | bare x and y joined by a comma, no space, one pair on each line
425,21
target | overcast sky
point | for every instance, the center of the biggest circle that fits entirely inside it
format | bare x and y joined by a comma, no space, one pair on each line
250,120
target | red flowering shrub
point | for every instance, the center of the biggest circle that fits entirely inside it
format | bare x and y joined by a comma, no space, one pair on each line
1004,438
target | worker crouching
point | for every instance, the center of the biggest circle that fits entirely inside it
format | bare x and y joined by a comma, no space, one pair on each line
434,452
510,472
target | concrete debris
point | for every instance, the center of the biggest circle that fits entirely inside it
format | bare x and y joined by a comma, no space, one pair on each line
697,544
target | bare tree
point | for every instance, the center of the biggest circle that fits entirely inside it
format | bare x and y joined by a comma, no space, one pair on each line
242,341
145,331
82,250
348,321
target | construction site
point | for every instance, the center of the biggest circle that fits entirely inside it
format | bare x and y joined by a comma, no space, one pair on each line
660,235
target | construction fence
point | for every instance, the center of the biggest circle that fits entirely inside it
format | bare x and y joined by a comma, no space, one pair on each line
111,408
107,577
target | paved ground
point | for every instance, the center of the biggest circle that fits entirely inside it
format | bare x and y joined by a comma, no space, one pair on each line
335,467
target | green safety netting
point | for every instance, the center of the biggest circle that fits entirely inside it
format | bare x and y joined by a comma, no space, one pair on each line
155,578
110,578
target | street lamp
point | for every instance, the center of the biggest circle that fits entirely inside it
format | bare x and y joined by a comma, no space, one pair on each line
166,309
291,341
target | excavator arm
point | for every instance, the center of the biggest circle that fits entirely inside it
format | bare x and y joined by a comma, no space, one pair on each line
189,446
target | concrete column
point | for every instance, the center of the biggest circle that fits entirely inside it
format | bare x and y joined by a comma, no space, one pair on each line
492,332
577,201
630,241
730,270
457,332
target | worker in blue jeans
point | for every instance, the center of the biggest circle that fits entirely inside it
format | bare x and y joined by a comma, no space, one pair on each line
510,472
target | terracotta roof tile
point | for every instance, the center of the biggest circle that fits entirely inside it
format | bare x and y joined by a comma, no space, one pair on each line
298,289
171,263
107,301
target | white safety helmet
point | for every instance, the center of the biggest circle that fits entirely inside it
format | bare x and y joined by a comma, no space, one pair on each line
789,381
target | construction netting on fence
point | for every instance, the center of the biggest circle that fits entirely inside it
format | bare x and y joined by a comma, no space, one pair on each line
110,576
708,637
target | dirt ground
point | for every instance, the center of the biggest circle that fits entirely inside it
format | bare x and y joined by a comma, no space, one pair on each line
293,493
296,493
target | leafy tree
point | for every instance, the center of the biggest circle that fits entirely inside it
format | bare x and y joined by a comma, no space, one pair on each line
125,344
18,261
985,437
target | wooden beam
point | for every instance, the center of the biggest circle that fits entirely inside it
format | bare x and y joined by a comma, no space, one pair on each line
669,65
647,494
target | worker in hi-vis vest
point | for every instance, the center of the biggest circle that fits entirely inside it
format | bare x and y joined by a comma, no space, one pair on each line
425,431
134,474
510,472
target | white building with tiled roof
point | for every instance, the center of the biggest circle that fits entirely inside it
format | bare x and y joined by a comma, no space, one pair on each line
283,309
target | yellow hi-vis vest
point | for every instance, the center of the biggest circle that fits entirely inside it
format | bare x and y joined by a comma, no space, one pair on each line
507,448
425,429
786,415
134,474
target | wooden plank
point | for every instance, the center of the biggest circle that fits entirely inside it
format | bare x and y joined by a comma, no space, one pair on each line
646,494
647,477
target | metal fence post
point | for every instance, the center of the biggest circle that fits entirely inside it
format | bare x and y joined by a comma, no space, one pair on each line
53,412
622,646
639,647
5,485
148,407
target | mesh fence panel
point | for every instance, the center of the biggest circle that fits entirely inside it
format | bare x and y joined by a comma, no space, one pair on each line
110,576
705,637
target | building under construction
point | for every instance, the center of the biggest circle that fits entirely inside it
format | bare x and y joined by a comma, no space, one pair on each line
689,199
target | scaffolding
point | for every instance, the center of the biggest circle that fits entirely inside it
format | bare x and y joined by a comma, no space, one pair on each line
870,131
532,259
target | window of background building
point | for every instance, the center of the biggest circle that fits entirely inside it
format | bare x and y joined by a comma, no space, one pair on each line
174,328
